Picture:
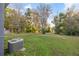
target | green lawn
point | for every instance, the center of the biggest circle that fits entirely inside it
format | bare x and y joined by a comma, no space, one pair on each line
46,45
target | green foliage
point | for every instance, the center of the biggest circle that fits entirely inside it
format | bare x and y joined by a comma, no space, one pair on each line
28,26
67,23
43,30
48,29
7,18
6,23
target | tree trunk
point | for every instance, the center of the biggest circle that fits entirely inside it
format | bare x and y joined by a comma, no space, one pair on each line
1,29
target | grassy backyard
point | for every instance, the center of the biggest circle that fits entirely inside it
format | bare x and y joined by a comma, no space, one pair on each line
45,44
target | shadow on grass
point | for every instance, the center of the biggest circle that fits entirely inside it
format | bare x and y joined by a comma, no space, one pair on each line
16,53
6,52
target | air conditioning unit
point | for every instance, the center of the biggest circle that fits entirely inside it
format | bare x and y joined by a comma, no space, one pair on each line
15,44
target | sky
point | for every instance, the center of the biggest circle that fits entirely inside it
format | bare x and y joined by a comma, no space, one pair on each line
56,8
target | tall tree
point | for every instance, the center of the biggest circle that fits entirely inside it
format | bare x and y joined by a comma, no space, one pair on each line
44,12
28,18
67,23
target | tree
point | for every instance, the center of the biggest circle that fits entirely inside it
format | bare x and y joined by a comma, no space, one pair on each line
29,20
36,21
59,23
67,23
14,20
32,18
7,18
44,12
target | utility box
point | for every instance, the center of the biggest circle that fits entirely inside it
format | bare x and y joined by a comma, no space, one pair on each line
15,44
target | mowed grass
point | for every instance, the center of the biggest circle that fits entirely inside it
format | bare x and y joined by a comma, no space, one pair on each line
45,45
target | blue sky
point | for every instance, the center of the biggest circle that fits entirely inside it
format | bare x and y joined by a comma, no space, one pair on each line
56,7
